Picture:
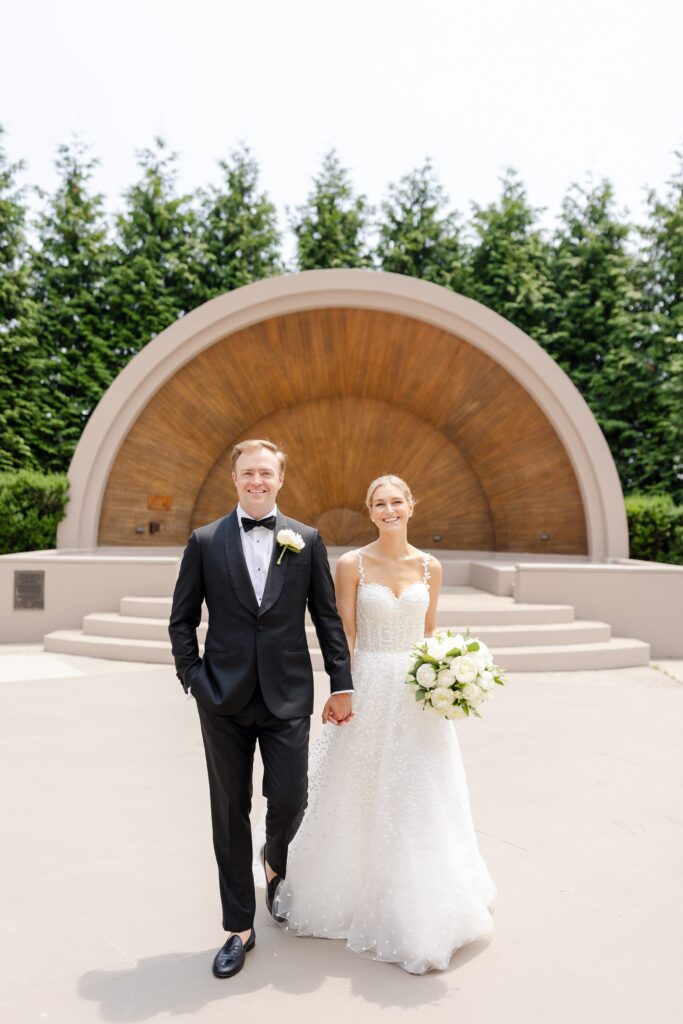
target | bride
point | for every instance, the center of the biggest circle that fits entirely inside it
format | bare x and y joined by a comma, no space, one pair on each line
386,856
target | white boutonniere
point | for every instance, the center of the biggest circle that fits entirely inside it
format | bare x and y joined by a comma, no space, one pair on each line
290,541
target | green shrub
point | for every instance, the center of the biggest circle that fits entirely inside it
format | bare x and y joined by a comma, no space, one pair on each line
655,528
31,506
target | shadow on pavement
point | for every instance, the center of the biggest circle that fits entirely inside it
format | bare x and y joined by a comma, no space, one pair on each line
178,983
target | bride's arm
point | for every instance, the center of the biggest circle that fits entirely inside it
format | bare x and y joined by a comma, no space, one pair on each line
345,585
436,575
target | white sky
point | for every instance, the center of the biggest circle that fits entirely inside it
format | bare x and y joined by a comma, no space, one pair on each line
558,90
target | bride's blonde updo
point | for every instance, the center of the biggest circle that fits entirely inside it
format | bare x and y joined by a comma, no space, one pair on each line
389,478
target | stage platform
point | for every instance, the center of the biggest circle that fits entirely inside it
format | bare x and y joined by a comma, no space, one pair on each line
538,613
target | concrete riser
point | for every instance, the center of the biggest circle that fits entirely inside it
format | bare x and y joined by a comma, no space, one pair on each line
612,654
449,609
523,637
73,642
511,634
562,659
132,628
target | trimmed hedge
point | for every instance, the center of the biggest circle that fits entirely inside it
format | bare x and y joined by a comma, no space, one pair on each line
32,504
655,528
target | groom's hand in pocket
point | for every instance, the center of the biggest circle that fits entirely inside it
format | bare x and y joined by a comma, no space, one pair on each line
338,709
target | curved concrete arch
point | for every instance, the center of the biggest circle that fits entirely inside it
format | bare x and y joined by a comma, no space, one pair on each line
515,351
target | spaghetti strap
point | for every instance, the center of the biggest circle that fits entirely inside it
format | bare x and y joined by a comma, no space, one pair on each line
361,569
425,563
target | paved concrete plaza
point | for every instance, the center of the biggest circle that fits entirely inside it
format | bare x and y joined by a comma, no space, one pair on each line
108,884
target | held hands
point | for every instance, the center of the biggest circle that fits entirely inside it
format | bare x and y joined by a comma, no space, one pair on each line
338,709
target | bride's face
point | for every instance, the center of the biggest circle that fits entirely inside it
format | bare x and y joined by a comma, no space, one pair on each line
390,509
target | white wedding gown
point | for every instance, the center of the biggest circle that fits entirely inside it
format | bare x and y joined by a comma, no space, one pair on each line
386,856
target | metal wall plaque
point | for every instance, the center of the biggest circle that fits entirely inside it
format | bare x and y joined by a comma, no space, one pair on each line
29,589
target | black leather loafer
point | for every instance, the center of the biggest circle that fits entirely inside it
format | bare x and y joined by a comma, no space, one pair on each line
230,958
271,887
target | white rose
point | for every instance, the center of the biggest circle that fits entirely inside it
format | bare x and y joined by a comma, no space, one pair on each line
484,653
288,538
456,641
436,648
445,677
464,669
479,660
472,693
486,680
456,712
442,699
426,676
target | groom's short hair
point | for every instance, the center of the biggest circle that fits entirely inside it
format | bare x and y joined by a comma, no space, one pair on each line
252,444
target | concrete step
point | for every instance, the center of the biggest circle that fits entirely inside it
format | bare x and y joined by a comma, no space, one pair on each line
516,634
527,635
481,609
618,652
148,607
110,624
133,627
75,641
160,607
454,573
462,605
494,577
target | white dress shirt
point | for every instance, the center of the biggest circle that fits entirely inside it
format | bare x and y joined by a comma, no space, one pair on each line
257,546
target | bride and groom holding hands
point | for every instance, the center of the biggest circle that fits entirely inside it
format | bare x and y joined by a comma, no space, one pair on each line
369,838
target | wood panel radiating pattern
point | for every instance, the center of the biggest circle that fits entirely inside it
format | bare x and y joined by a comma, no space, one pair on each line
352,393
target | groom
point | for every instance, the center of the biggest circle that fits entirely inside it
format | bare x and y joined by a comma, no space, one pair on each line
255,681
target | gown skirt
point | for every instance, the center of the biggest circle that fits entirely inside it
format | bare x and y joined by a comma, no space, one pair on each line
386,857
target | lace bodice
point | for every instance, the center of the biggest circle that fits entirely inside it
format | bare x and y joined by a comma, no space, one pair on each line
385,622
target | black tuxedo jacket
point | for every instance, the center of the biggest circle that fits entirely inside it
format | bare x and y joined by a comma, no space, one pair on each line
246,643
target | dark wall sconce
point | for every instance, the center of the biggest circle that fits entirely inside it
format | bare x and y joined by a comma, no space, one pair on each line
154,526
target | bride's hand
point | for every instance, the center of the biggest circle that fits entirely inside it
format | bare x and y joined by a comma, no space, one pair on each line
338,709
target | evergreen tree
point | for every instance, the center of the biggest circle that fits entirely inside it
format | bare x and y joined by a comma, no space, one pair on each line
663,284
592,274
19,355
156,278
331,227
69,271
601,332
238,235
508,260
417,236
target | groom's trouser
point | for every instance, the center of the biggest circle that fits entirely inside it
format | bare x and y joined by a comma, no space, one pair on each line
229,744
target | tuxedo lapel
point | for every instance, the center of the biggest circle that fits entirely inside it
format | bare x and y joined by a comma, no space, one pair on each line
237,565
276,573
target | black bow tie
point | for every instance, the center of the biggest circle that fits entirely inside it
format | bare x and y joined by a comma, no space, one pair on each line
249,524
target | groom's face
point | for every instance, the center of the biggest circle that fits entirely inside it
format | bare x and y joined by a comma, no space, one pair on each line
258,477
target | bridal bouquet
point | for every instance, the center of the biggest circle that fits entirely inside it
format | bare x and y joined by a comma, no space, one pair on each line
452,674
